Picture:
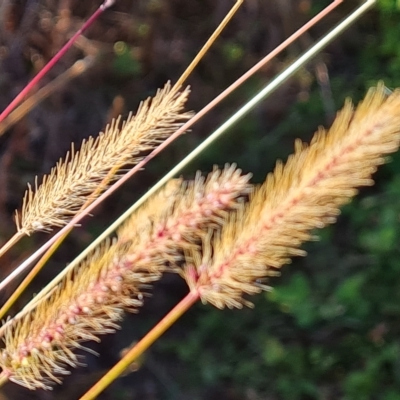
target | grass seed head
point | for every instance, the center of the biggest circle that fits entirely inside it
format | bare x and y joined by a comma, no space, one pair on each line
296,198
77,178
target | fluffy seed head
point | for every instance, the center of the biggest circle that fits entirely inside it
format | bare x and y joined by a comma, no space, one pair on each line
92,298
77,178
302,195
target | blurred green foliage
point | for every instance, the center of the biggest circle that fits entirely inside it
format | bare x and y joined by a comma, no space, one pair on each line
125,63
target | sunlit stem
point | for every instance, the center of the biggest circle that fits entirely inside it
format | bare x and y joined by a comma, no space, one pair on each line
139,348
208,44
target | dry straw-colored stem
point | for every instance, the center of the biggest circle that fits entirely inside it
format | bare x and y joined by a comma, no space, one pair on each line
209,43
11,242
23,109
92,298
296,198
181,308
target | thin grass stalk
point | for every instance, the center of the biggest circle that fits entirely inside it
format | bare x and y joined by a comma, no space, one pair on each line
139,348
14,239
77,69
209,43
106,4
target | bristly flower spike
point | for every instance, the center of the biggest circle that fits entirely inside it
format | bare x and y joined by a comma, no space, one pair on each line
65,190
91,299
296,198
88,303
180,215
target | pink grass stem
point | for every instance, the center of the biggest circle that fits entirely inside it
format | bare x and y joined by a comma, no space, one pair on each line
54,60
155,152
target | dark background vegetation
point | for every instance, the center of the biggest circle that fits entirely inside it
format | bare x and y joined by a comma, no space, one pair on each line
331,327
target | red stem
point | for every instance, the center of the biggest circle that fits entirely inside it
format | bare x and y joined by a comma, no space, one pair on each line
53,61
